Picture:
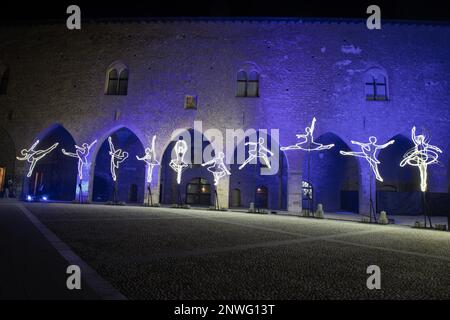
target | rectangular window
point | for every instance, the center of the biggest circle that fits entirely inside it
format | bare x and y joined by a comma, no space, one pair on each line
241,88
252,88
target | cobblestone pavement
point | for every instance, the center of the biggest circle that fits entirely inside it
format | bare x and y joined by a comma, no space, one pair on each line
162,253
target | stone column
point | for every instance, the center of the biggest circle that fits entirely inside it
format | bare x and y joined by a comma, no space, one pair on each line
365,187
223,192
294,182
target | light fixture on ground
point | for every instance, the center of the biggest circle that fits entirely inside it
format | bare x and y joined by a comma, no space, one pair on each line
369,152
150,159
308,144
81,153
422,155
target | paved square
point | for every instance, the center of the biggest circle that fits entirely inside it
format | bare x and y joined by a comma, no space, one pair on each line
162,253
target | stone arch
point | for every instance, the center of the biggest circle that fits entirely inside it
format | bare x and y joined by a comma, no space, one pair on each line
131,172
335,177
250,177
168,187
396,178
55,176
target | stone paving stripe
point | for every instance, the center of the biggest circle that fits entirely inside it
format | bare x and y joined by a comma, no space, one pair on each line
99,285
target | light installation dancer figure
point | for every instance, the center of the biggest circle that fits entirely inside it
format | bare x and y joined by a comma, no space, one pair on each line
33,156
82,153
150,159
308,143
117,157
257,150
217,168
178,164
369,152
422,155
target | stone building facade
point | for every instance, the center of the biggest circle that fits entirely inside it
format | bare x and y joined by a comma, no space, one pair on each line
241,74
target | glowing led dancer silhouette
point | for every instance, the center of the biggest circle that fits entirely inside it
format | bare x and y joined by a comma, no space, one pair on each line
82,154
150,159
257,150
33,156
217,168
308,143
422,155
179,164
369,152
117,157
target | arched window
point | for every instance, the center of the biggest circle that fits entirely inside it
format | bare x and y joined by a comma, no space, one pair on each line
4,77
376,85
253,84
117,79
123,82
241,84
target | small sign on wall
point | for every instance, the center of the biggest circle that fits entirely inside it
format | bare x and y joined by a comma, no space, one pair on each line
190,102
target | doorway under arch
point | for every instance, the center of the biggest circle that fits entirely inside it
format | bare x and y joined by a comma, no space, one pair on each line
248,179
170,189
198,192
130,174
335,177
55,176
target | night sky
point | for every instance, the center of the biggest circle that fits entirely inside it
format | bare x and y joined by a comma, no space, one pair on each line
391,9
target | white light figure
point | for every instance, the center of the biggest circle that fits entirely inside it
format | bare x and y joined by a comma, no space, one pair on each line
33,156
308,143
117,157
257,150
179,164
150,159
369,152
82,154
217,168
422,155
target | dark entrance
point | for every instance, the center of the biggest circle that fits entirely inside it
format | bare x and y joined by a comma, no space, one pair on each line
54,176
307,196
198,192
261,197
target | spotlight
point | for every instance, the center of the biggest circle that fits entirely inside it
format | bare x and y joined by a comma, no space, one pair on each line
29,198
44,198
